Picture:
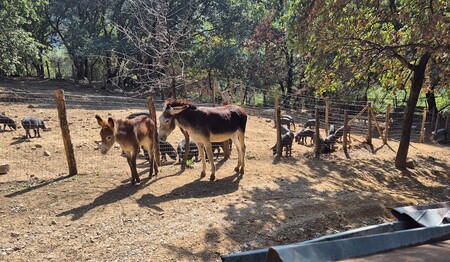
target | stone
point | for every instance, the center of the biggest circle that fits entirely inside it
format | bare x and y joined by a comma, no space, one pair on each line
4,168
46,153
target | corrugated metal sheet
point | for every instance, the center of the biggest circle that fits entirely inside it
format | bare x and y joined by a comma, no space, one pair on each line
418,225
425,215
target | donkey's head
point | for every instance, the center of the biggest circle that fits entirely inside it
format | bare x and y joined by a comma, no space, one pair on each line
106,133
167,119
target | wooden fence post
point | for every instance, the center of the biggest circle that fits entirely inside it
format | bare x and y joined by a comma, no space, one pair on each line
327,112
226,149
357,115
376,124
386,123
344,143
422,128
278,125
68,146
369,121
318,144
152,111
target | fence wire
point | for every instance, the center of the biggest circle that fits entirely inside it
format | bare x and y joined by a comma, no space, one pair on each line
84,129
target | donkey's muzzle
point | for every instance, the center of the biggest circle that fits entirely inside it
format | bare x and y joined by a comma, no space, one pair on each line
162,137
104,149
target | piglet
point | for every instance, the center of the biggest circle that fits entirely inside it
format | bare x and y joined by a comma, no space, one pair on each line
32,123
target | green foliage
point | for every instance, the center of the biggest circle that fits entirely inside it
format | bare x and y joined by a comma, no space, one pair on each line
16,43
351,43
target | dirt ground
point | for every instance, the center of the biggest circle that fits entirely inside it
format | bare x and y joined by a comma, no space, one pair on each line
98,215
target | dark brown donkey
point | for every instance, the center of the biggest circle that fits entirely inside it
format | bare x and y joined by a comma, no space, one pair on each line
130,134
206,125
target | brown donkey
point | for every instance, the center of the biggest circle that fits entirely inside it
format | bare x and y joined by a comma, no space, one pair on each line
206,125
130,134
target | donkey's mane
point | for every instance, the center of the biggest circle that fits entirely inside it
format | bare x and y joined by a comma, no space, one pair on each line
179,102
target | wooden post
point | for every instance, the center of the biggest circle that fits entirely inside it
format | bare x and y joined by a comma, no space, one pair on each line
317,142
241,93
152,112
278,124
68,146
422,128
344,143
358,115
327,112
226,149
386,123
369,121
376,123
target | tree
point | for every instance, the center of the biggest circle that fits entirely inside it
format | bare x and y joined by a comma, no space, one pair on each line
86,29
16,43
161,37
386,39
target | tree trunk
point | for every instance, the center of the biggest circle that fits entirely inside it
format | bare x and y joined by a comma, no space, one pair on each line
80,68
432,109
417,82
290,71
86,69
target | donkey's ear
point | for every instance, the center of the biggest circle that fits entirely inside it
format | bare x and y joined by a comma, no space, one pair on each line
111,122
177,109
100,120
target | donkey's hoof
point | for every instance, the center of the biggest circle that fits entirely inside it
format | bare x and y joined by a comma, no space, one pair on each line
242,171
236,169
212,177
203,174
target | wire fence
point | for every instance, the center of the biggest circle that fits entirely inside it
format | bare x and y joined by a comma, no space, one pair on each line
302,107
81,111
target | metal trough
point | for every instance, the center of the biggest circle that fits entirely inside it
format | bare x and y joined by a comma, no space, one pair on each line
418,225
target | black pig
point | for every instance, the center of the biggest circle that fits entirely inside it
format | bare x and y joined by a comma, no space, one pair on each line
7,121
32,123
193,150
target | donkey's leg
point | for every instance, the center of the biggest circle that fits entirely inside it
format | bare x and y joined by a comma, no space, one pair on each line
209,152
132,162
242,143
237,143
202,155
150,157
